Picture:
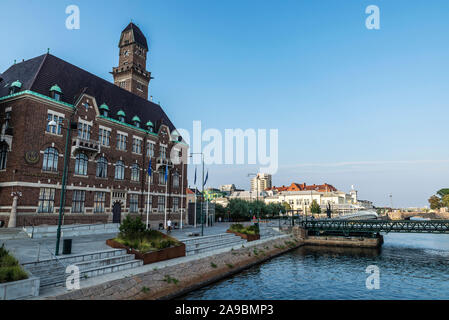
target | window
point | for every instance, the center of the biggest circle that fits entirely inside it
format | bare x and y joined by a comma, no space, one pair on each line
162,152
148,202
175,204
119,170
161,175
56,129
102,167
161,204
139,86
122,84
3,155
121,141
78,199
81,164
50,160
56,96
137,145
135,172
176,180
104,136
46,200
133,203
150,149
84,130
99,200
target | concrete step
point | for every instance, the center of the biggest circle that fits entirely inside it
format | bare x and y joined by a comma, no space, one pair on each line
72,230
211,241
12,233
70,259
215,237
93,272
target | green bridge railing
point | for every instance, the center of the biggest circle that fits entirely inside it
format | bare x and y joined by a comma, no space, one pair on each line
375,226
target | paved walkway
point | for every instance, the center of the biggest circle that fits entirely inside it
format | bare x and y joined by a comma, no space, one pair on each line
31,250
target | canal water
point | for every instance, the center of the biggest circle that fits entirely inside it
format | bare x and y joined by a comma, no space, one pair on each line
411,266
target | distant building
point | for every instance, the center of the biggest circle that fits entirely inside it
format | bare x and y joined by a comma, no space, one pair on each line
248,195
325,195
261,182
227,188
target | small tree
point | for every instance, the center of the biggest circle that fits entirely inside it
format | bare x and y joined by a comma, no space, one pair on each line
445,201
315,207
435,203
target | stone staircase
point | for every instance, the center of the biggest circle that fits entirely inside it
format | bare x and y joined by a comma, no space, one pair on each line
196,245
71,230
12,234
52,272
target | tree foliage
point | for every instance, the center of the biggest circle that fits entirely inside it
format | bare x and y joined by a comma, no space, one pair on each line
240,209
315,207
435,203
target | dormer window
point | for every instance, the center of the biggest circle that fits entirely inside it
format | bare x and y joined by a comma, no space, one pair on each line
104,110
15,87
150,126
55,92
121,116
136,121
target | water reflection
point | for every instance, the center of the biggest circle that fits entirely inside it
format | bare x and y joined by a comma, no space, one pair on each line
411,267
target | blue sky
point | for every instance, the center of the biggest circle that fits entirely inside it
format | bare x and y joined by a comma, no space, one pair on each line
352,105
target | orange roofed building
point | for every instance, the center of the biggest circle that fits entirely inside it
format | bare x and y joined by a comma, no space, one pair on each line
303,187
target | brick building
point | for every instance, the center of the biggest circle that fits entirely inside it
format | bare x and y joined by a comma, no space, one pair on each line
115,133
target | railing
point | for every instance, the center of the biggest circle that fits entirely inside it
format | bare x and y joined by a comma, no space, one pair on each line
375,226
92,145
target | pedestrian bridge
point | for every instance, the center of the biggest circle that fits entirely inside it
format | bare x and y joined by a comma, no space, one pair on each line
376,226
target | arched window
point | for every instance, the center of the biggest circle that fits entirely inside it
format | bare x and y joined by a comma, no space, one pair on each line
175,180
51,156
161,175
3,155
102,167
119,170
135,172
81,164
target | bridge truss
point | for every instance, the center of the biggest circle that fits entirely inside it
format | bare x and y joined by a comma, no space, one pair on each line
376,226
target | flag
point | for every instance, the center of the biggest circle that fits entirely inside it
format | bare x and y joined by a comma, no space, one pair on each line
207,176
166,173
149,168
194,182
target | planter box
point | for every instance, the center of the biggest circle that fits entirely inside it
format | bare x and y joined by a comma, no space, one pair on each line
154,256
20,289
248,237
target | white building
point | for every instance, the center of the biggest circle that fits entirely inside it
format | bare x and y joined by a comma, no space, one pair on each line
339,201
261,182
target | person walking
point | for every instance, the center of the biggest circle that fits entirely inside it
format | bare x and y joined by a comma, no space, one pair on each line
169,225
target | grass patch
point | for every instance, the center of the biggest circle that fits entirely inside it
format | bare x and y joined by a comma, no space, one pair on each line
170,279
10,270
134,235
213,265
230,266
250,230
145,289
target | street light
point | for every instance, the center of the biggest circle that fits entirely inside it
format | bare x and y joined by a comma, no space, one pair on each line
202,190
72,125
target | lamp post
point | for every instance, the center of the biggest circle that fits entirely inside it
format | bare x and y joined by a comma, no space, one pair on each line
64,176
202,189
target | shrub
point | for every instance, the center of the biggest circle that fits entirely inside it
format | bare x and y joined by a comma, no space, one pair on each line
10,270
132,228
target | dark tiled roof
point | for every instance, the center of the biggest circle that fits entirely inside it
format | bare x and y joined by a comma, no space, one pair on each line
139,38
41,73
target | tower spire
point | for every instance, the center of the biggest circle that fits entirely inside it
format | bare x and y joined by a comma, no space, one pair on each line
131,73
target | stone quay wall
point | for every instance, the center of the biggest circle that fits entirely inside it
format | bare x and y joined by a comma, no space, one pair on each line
176,280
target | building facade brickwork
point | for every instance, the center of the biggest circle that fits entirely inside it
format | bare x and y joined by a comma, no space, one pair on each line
115,134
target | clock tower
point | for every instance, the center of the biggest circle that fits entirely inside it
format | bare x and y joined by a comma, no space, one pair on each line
131,73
